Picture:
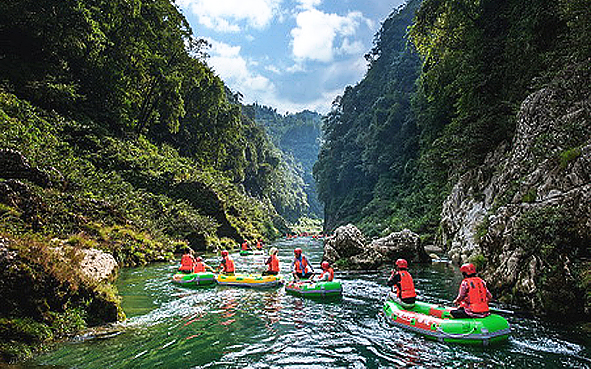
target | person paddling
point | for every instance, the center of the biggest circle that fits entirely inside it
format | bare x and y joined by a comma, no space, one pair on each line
199,266
259,244
244,245
187,262
403,287
327,274
300,267
272,262
227,264
473,296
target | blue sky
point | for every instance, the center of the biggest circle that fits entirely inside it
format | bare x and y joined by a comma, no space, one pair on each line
288,54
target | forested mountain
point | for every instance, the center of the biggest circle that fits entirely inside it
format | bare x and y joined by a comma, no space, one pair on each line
115,135
368,164
472,127
298,137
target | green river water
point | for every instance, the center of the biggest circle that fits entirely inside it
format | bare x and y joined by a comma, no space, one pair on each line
223,327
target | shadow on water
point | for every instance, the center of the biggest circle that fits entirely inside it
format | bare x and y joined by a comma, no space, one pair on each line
224,327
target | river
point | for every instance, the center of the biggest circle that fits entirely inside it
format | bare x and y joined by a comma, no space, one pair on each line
223,327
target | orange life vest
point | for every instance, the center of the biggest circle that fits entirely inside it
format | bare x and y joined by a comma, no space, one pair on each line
476,301
228,266
259,245
244,246
407,286
330,272
186,263
198,267
301,266
274,264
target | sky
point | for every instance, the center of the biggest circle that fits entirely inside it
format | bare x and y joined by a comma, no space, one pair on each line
288,54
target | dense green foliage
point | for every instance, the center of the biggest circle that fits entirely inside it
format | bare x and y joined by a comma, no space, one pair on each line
398,139
370,152
298,137
115,134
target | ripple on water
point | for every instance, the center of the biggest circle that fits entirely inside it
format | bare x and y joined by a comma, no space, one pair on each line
223,327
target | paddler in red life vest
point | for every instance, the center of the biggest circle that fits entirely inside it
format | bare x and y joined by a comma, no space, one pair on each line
473,297
272,262
403,288
199,266
327,274
187,262
300,267
244,245
260,244
227,264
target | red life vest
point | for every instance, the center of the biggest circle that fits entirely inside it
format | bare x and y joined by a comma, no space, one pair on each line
228,266
244,246
274,264
330,272
407,286
476,300
259,245
186,263
301,266
198,267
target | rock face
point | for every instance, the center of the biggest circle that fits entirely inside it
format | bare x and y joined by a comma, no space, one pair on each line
98,265
525,215
348,244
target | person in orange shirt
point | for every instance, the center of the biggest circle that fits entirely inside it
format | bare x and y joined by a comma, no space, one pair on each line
199,266
187,262
473,296
327,274
272,262
244,245
259,244
403,287
227,264
300,267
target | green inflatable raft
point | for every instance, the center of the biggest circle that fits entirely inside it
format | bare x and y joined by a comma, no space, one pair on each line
435,322
194,279
318,290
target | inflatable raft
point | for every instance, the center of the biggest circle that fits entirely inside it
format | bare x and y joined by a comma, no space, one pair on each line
319,290
435,322
249,280
194,279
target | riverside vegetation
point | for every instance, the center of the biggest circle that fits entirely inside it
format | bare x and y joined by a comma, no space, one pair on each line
116,135
472,128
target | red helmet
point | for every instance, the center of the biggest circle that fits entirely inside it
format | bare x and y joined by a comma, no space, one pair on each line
297,251
198,258
224,252
401,263
468,268
325,265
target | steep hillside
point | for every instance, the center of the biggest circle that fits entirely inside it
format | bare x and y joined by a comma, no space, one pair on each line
298,137
114,135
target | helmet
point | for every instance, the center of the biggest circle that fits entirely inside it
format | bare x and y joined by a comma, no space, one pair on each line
198,258
468,268
401,263
224,252
272,250
297,251
325,265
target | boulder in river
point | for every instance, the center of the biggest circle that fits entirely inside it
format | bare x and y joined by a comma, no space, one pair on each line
349,248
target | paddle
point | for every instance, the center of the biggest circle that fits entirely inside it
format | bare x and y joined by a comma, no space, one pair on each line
518,314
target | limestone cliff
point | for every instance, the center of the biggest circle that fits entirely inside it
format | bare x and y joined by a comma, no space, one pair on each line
524,217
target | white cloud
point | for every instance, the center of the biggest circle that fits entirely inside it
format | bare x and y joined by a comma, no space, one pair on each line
309,4
236,71
226,15
351,48
315,34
